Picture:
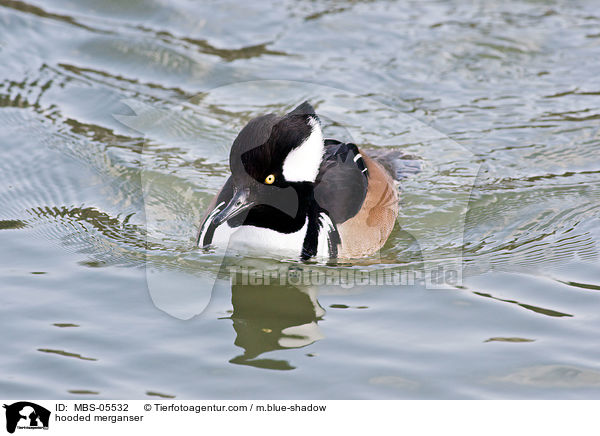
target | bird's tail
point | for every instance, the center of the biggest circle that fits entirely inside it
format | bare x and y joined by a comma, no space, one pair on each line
399,164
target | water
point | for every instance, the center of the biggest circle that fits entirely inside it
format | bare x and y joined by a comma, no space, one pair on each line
116,121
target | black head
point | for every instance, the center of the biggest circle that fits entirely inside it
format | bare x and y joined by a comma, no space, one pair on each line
274,163
289,148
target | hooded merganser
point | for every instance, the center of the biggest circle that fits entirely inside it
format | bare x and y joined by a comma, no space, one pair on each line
293,192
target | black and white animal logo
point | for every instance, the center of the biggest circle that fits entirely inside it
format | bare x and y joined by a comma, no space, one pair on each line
26,415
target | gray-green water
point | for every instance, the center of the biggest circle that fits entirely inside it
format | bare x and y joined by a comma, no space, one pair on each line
99,207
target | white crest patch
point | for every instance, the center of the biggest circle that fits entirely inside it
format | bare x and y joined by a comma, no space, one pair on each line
303,162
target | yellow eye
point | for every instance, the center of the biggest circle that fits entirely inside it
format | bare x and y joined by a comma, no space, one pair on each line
270,179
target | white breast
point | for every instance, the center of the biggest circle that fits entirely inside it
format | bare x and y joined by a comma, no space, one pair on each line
266,242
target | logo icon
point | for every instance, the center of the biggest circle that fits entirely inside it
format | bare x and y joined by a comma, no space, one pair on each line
26,415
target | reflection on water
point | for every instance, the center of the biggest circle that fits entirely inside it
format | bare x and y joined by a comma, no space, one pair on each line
66,354
274,317
543,311
509,340
556,376
11,224
82,392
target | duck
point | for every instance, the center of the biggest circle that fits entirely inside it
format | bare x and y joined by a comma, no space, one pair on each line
294,193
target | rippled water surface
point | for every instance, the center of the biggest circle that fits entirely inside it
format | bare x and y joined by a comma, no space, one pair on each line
115,124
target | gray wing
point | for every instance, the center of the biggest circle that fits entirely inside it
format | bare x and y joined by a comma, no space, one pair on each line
342,182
